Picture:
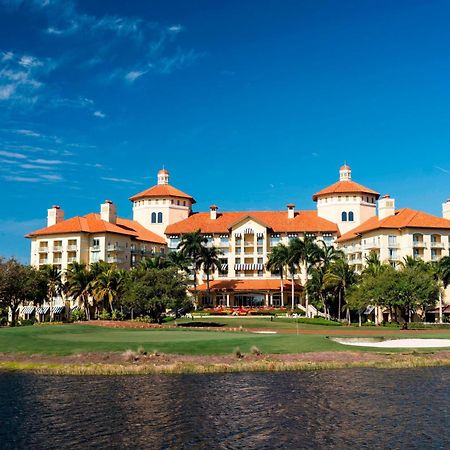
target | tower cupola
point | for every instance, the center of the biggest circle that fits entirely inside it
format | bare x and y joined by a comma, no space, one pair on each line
163,176
345,173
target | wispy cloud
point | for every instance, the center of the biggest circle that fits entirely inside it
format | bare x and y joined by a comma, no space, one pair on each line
133,75
12,154
28,133
99,114
442,170
120,180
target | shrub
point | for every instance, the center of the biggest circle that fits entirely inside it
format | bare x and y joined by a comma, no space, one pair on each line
261,312
26,322
255,350
104,315
143,319
117,315
237,352
78,314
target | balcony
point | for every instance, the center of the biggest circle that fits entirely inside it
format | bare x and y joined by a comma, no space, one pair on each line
71,259
437,244
419,244
43,249
95,248
57,248
114,248
72,248
355,261
114,260
57,260
392,244
371,245
354,249
249,244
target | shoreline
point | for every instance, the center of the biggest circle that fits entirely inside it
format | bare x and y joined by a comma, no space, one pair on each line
132,363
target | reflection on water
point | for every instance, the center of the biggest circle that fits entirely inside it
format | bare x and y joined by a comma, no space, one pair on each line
354,409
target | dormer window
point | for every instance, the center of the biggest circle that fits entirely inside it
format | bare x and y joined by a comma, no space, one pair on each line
344,216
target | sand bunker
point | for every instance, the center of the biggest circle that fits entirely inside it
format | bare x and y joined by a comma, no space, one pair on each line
394,343
265,332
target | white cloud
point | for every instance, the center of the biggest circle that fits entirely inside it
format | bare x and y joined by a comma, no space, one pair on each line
175,28
120,180
52,177
443,170
21,179
48,161
99,114
33,166
133,75
12,155
28,133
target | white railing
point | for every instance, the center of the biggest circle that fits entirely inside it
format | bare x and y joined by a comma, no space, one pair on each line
72,247
43,249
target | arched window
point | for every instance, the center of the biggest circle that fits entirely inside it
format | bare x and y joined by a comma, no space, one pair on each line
160,217
351,216
344,216
153,217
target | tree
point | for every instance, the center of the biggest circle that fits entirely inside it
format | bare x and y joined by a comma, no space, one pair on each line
155,291
191,246
179,260
209,261
109,285
19,283
157,262
277,261
340,277
306,253
79,281
53,278
441,272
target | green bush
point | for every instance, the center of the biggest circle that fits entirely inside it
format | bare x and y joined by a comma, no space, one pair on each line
261,312
117,315
26,322
200,324
78,314
143,319
104,315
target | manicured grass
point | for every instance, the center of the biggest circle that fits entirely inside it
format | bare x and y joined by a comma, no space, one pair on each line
70,339
279,323
73,339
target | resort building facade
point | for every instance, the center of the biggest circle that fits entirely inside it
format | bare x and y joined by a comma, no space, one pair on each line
348,215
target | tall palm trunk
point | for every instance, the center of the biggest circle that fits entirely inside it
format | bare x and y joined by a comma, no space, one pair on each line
292,288
207,287
282,288
339,304
440,306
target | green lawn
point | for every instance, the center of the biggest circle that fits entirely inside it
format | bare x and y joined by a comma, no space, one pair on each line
72,339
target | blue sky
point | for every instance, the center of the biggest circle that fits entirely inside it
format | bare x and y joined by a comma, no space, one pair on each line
248,104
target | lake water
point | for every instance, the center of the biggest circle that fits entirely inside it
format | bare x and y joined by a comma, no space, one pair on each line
343,409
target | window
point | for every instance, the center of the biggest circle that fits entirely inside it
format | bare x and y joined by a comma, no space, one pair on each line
160,217
351,216
344,216
95,242
153,220
392,240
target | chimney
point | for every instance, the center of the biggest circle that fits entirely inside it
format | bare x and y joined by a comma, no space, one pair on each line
54,215
291,210
446,209
108,211
213,212
386,207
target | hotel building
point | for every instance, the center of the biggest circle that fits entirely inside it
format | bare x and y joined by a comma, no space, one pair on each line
348,215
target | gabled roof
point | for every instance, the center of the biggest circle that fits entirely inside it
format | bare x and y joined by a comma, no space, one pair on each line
345,187
162,190
92,223
403,218
277,221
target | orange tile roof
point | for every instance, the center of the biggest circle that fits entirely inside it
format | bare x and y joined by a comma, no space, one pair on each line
277,221
345,187
248,285
162,190
403,218
92,223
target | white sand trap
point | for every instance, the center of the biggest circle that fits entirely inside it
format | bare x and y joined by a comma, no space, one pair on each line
394,343
265,332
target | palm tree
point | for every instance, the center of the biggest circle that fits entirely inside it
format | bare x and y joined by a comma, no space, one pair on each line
191,246
277,261
109,285
79,280
442,274
53,279
327,255
309,256
340,277
179,260
316,289
209,261
158,262
373,264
